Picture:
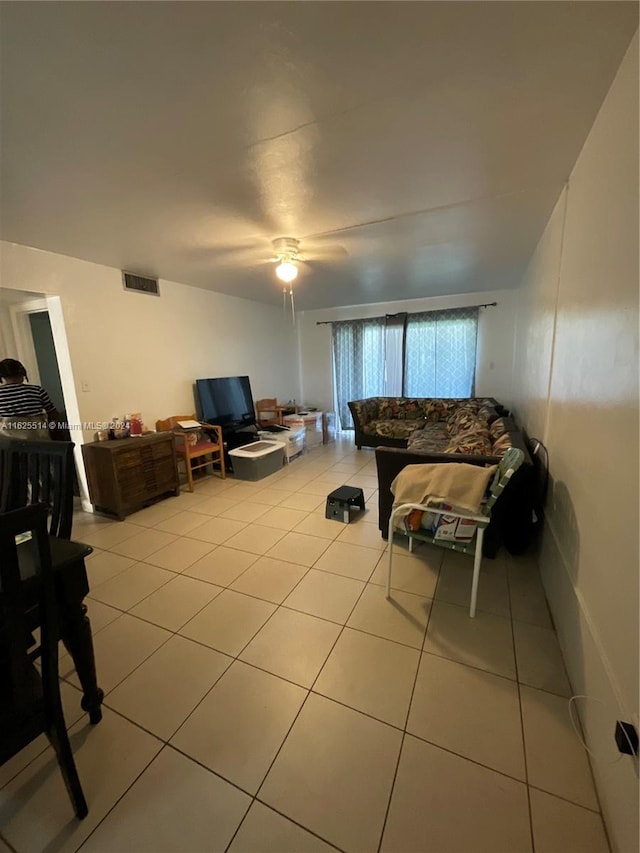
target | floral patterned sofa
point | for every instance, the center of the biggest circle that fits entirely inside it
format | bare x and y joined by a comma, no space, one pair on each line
453,425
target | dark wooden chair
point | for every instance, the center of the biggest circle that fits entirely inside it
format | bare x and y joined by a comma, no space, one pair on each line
30,702
39,472
42,472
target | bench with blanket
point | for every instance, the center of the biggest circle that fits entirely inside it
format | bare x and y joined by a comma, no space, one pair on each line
458,491
477,444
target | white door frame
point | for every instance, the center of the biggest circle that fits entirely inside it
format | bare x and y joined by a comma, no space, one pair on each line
19,313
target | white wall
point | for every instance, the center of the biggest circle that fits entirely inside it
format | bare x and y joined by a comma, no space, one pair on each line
495,342
577,366
142,353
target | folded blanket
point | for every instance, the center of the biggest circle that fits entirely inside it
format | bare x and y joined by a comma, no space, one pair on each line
456,483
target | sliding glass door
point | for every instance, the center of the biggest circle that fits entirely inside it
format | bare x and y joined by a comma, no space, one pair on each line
429,354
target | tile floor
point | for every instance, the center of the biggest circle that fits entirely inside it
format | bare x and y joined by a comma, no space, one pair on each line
262,695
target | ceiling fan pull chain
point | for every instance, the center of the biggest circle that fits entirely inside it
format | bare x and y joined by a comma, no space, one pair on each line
293,307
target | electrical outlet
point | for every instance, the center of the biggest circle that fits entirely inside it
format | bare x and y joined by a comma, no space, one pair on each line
84,384
626,738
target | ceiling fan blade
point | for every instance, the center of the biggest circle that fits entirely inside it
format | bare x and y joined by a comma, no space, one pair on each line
314,250
308,266
243,253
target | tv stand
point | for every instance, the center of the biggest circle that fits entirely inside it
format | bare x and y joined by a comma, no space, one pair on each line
237,437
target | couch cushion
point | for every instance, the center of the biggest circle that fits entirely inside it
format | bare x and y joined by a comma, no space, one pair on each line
436,409
475,441
433,437
502,444
498,427
501,433
488,412
412,410
395,428
464,422
401,408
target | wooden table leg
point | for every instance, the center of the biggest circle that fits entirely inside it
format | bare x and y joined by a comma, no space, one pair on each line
76,636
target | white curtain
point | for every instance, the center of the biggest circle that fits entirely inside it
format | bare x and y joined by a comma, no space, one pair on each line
394,354
358,359
440,358
430,354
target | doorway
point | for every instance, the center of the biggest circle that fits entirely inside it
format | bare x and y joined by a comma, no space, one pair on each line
33,331
46,358
48,368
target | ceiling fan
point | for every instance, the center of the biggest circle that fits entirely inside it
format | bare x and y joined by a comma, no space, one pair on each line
287,256
290,257
257,250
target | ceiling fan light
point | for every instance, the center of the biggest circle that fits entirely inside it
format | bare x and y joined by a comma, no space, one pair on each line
286,271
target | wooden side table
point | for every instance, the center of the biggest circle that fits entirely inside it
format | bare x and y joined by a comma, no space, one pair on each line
127,474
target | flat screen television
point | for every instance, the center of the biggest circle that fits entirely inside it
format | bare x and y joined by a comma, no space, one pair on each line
227,401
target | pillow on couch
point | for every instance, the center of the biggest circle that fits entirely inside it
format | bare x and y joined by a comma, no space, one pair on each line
464,422
438,410
411,410
475,440
499,427
502,444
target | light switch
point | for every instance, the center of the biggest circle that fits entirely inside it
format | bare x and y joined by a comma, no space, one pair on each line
84,384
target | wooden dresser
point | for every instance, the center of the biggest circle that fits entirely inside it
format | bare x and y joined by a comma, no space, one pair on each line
126,474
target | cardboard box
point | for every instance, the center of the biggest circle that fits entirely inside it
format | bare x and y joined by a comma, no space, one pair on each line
444,526
452,529
465,531
311,421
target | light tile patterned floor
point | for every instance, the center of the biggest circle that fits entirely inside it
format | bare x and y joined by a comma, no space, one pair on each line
263,695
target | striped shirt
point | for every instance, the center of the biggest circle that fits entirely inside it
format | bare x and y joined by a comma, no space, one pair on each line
23,399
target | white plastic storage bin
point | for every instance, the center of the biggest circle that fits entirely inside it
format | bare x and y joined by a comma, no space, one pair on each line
328,427
296,443
311,421
294,439
257,460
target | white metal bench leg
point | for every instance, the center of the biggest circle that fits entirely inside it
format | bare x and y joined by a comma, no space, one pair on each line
390,552
476,571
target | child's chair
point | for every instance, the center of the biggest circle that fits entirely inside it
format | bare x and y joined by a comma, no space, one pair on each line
268,412
203,443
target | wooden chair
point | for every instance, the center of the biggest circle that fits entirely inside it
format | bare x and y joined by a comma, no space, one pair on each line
268,412
39,472
30,702
509,464
192,446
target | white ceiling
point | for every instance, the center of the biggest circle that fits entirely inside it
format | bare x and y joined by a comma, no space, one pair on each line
417,148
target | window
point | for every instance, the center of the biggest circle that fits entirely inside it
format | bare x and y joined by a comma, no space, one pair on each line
440,357
430,354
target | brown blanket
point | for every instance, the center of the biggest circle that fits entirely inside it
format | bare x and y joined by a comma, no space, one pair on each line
456,483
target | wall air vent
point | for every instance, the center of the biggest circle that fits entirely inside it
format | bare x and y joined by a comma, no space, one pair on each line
140,283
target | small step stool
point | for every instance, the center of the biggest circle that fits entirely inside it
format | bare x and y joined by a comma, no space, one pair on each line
341,500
